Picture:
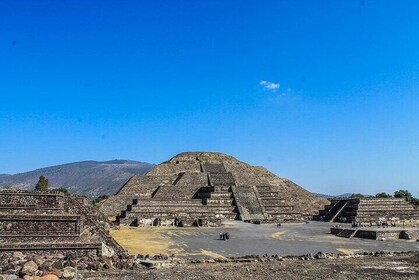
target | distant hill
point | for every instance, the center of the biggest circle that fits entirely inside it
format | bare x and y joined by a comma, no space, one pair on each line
345,195
91,178
333,196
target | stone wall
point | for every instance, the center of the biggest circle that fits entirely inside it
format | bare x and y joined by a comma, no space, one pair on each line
53,222
24,226
22,200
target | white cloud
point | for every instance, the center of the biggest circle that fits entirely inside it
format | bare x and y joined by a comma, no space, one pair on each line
269,85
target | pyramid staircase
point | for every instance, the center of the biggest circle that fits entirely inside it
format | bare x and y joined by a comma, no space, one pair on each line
274,207
347,233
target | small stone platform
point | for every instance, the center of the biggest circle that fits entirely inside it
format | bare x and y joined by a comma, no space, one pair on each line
391,233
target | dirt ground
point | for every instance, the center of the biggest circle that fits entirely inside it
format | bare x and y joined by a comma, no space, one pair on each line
248,239
142,240
371,267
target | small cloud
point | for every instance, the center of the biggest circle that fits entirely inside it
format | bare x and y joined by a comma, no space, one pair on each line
269,85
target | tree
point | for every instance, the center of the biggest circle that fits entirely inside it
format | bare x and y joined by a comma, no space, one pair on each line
42,184
383,195
404,194
356,195
100,199
63,190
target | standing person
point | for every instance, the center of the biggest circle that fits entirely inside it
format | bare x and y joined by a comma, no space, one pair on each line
221,235
227,236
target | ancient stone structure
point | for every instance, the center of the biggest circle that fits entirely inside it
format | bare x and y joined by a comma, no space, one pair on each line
204,188
52,222
381,233
369,210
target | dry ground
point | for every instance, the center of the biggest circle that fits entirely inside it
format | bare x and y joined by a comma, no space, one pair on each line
248,239
383,267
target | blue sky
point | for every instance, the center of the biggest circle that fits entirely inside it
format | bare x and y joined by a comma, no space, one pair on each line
322,92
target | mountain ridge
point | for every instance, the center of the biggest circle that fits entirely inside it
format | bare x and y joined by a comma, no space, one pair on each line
89,177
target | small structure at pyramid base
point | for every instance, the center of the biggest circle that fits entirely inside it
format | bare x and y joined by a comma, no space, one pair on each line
369,211
202,189
52,222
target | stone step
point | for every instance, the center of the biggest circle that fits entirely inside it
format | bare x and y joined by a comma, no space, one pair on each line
211,201
222,188
217,195
347,233
282,209
384,212
381,206
158,202
268,193
285,216
264,188
203,209
221,179
274,203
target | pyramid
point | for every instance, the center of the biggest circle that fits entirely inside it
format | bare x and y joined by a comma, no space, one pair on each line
203,188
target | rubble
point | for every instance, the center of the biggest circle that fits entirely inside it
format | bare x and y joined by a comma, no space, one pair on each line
49,267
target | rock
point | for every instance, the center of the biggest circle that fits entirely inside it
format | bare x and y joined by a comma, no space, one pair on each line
82,266
69,273
18,255
107,251
58,264
10,277
59,256
27,277
49,277
73,263
39,261
55,272
30,268
320,255
47,265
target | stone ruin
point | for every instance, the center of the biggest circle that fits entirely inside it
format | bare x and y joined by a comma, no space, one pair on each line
373,211
52,222
203,188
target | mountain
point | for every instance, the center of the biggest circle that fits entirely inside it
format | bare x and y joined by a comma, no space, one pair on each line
91,178
345,195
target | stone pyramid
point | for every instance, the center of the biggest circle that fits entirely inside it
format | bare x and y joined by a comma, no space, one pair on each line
202,188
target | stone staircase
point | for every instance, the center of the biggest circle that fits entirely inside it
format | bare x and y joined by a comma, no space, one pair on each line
221,202
334,210
347,233
275,208
248,204
210,200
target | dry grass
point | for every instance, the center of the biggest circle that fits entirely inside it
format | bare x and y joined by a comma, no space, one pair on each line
142,240
278,235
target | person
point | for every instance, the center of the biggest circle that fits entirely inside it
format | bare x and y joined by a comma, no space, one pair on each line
221,235
227,236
